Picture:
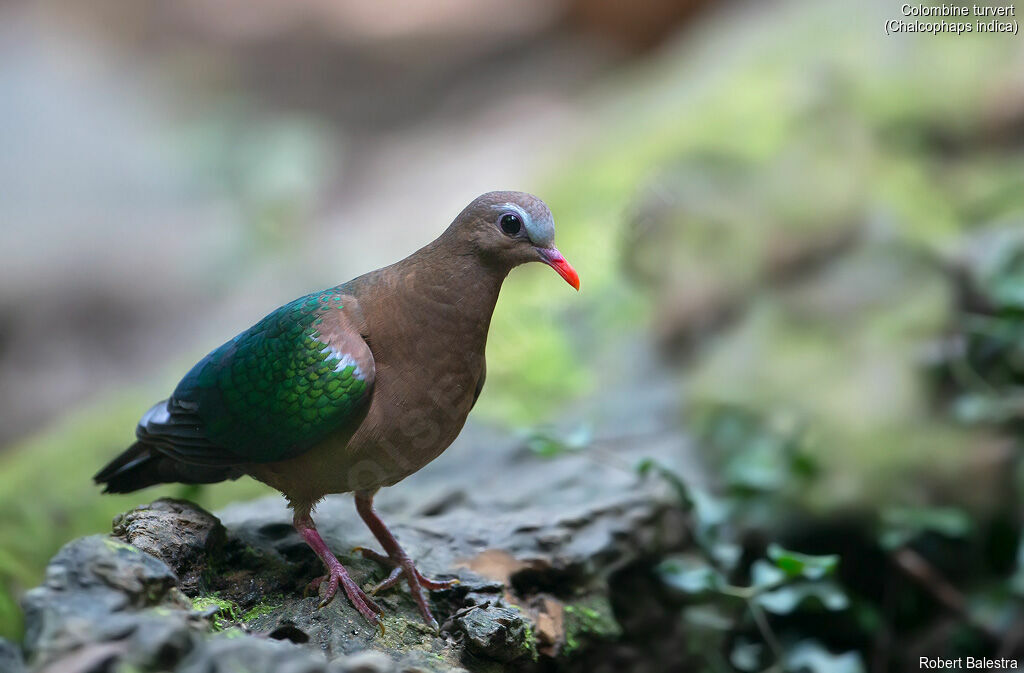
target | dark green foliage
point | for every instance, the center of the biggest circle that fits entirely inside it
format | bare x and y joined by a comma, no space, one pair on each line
901,525
751,604
755,454
730,596
980,372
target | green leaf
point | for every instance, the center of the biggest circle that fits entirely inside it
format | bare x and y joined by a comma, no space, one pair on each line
709,513
726,555
648,466
757,453
746,655
786,599
764,575
810,656
708,616
974,408
545,447
1004,276
795,564
757,469
549,442
902,524
690,574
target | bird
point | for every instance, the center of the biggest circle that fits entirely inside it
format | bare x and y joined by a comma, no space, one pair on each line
349,389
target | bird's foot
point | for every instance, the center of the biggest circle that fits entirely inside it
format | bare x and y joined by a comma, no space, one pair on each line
403,568
338,577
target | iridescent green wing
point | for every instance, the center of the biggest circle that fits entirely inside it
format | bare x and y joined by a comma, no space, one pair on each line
275,390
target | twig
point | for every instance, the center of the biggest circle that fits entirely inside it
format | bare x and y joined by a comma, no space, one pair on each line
918,568
766,631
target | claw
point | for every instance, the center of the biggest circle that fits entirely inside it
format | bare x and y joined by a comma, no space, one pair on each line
436,585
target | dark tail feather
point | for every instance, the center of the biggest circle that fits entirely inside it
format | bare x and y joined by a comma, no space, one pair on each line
142,465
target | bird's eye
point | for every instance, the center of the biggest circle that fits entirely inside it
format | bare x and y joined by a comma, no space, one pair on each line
511,224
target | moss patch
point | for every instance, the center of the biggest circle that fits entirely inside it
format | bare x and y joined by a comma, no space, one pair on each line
260,609
403,634
530,641
117,545
227,614
587,621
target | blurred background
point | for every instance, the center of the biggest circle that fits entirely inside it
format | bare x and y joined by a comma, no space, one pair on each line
816,229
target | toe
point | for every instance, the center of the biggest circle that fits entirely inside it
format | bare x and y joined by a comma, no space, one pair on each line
366,606
371,555
394,578
435,585
330,592
314,586
421,603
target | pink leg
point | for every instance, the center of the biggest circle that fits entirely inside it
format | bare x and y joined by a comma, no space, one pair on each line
397,558
336,573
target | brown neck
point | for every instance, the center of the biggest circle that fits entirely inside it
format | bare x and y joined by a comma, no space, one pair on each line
440,299
450,271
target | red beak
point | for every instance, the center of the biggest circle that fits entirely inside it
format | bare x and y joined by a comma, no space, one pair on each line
554,259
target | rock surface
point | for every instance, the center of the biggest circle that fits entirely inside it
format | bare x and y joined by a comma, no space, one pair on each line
540,545
177,533
10,657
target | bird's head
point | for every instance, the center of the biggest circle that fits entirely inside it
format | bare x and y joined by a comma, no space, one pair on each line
511,228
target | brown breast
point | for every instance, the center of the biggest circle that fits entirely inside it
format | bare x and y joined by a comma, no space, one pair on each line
426,322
